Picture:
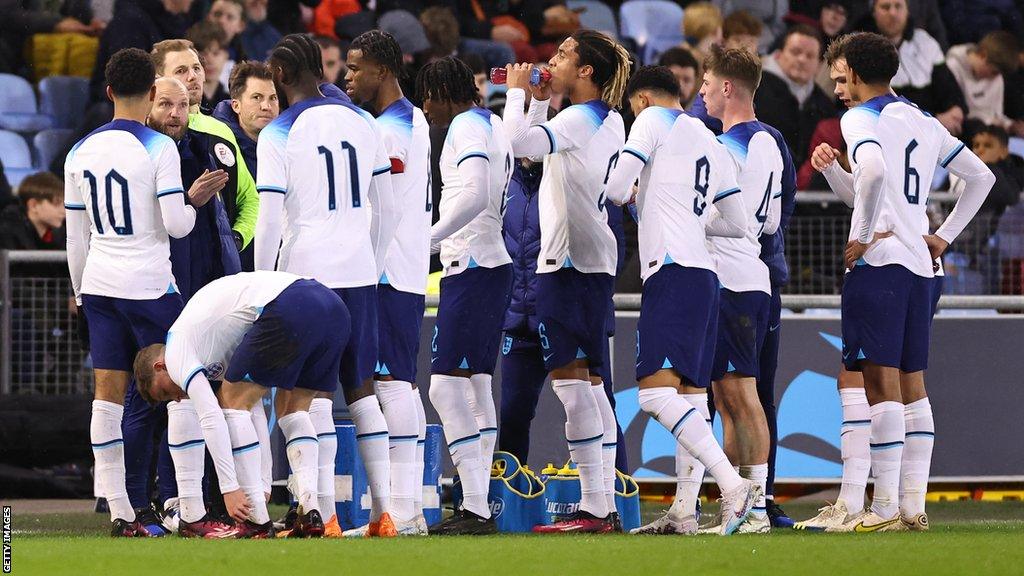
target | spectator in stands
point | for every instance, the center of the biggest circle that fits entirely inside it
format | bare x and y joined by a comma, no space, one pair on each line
991,145
23,18
442,30
973,19
286,15
770,12
252,106
925,13
138,24
923,77
230,16
36,220
328,12
686,69
979,69
481,76
333,60
259,36
702,28
742,30
6,195
211,43
788,97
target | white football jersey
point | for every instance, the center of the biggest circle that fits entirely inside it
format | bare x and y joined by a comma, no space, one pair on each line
759,176
321,153
209,329
912,143
117,174
407,142
685,170
476,133
585,141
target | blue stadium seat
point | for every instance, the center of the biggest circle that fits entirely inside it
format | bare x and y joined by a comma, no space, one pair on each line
596,16
50,143
1017,146
18,111
64,98
16,156
655,25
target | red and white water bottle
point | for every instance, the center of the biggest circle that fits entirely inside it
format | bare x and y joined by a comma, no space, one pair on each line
500,75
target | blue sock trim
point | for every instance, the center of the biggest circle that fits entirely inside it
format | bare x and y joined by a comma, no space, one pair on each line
245,448
689,413
300,439
187,444
464,440
371,435
586,440
108,444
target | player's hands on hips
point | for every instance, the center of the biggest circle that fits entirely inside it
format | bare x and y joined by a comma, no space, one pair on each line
204,188
823,156
237,505
855,249
936,246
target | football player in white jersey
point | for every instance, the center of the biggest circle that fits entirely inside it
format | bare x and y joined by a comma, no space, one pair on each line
847,513
687,184
374,66
124,196
731,77
888,294
252,331
576,264
323,170
476,164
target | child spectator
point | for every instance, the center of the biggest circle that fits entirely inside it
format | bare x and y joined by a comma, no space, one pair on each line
979,70
36,221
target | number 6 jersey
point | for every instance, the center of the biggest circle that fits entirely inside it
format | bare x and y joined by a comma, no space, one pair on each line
123,194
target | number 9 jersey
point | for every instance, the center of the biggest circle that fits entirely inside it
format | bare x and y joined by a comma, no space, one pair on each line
321,156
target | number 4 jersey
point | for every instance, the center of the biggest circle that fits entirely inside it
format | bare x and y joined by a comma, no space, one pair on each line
912,143
126,178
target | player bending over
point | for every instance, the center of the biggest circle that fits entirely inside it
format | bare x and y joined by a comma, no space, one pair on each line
124,197
687,183
888,293
476,164
252,331
576,264
322,167
374,67
731,77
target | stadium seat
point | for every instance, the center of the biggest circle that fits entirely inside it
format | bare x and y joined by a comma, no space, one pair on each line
655,25
1017,146
50,143
16,156
18,111
64,98
596,16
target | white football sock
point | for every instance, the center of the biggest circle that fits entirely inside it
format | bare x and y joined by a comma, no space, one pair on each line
372,441
684,422
399,408
108,451
304,458
609,443
450,397
482,403
888,431
689,470
321,414
245,448
758,474
854,445
421,443
584,432
188,451
917,456
259,422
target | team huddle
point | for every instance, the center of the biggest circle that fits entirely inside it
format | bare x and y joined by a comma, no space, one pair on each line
342,244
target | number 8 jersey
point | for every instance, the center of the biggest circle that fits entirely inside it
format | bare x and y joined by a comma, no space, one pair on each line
320,156
126,178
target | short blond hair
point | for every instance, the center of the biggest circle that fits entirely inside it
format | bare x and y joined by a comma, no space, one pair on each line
700,20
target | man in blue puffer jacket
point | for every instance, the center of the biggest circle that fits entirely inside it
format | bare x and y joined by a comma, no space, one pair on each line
522,363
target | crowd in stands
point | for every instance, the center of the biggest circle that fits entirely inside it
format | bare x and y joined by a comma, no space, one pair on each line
960,61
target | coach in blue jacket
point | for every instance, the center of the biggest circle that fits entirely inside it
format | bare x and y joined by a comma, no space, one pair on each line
522,362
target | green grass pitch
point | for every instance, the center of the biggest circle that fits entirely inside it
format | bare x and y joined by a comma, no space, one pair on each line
967,538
